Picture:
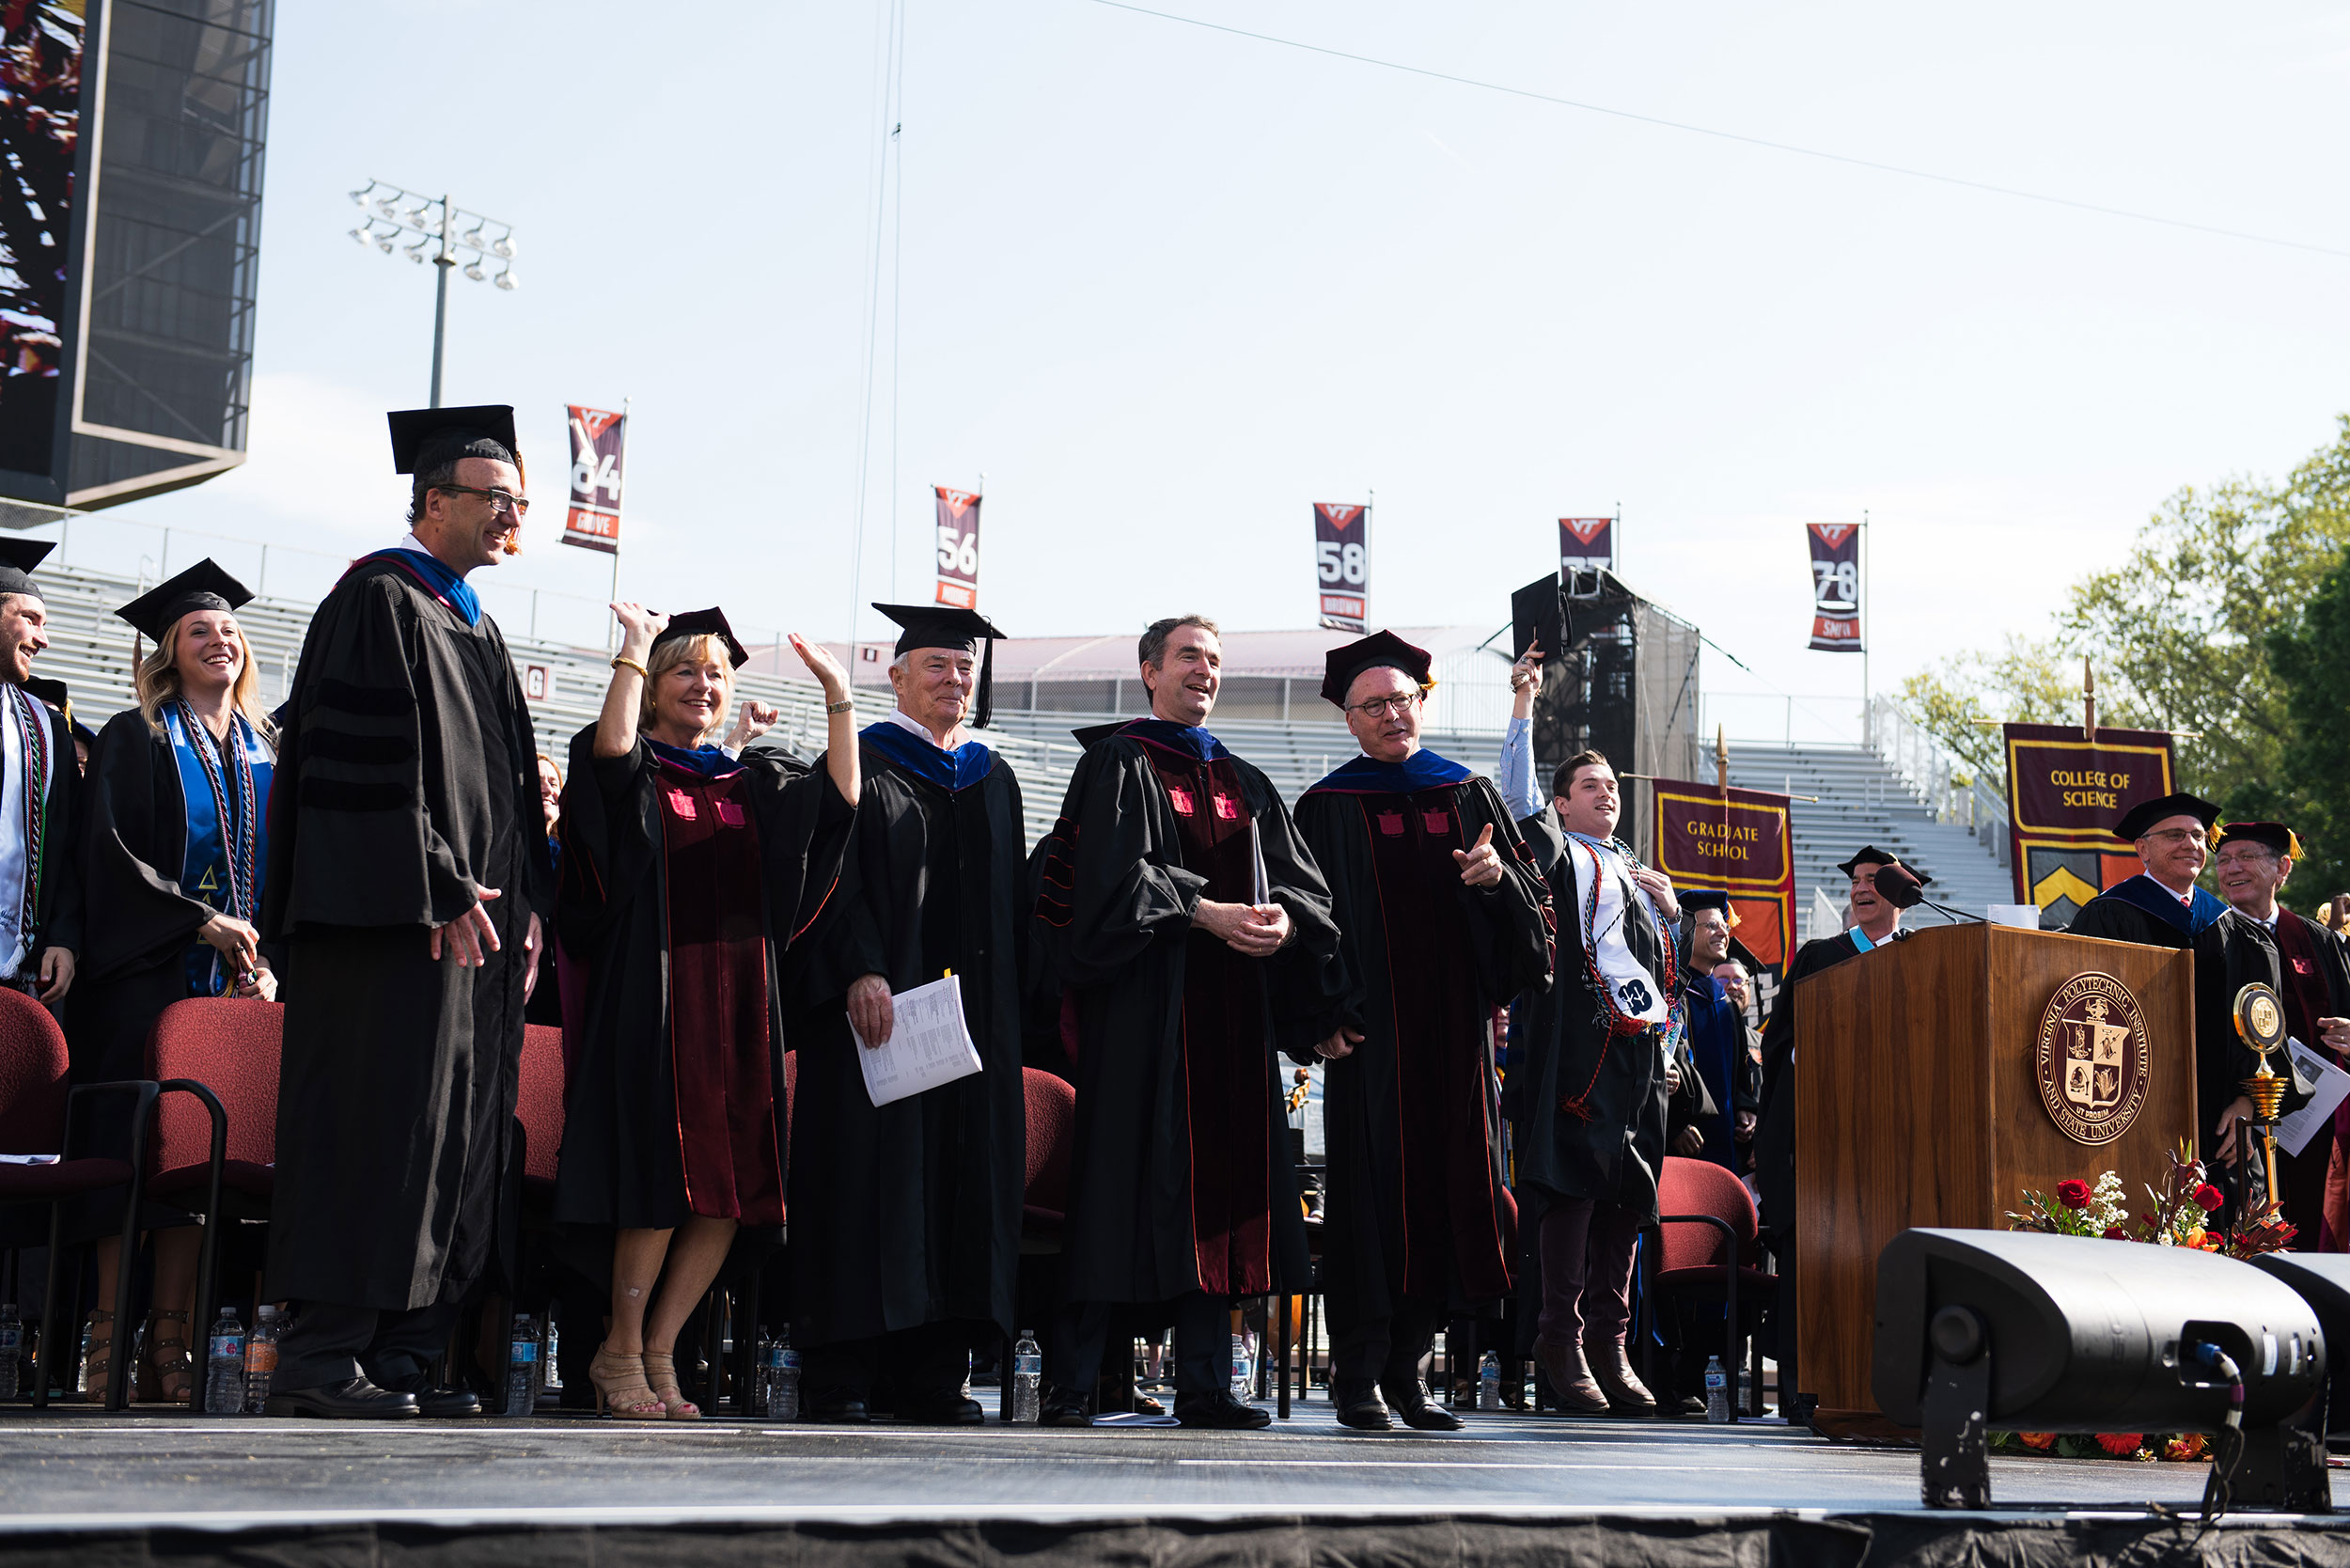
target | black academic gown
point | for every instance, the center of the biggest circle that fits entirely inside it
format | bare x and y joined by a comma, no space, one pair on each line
1615,1153
58,920
623,1164
140,923
1775,1129
1419,973
2139,909
406,779
909,1213
1115,919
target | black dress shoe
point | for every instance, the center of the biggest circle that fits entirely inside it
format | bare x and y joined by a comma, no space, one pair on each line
1064,1408
847,1412
446,1403
1690,1407
954,1410
353,1399
1361,1406
1220,1411
1420,1412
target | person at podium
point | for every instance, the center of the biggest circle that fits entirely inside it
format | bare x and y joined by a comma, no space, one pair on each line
2250,862
1876,923
2160,906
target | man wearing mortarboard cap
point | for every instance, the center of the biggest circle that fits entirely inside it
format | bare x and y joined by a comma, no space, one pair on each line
1443,917
2160,906
905,1217
55,695
2307,968
1182,916
1875,922
41,883
1721,1045
407,873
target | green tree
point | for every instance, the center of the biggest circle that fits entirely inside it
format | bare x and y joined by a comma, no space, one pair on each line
2315,776
1962,700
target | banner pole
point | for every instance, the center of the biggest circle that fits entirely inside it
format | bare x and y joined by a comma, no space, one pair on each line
611,630
1371,498
1868,716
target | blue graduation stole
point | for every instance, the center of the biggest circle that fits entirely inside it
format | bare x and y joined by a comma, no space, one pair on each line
958,769
227,800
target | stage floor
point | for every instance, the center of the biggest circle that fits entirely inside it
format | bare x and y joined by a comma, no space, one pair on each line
75,1469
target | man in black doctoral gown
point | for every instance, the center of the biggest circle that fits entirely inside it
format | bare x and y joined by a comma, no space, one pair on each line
2161,906
1444,917
40,874
905,1217
1591,1099
1875,922
1185,919
407,869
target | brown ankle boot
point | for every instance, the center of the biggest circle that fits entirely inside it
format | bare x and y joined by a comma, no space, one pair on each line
1625,1393
1570,1377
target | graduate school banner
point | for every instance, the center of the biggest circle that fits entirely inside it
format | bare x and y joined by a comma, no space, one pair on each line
1343,565
958,547
599,443
2063,796
1586,543
1743,844
1835,587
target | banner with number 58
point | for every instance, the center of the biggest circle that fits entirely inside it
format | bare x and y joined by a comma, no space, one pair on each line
1343,565
958,548
599,442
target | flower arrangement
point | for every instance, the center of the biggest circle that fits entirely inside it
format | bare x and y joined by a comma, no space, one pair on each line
2181,1216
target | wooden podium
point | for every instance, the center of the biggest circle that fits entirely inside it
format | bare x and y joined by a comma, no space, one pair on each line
1918,1100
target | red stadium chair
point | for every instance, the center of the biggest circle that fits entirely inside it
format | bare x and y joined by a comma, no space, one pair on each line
217,1157
38,1117
1708,1250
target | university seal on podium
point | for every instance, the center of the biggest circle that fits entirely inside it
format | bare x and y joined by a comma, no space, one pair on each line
2091,1058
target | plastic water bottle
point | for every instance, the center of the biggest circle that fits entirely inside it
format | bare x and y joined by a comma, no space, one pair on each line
551,1364
224,1367
783,1400
1244,1373
522,1366
1489,1382
1028,1379
260,1359
1716,1390
11,1343
81,1365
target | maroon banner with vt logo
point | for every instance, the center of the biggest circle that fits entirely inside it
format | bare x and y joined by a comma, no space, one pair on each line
1342,564
958,548
1835,587
1586,543
599,443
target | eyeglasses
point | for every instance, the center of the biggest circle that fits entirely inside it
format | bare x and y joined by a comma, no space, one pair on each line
499,500
1379,707
2174,836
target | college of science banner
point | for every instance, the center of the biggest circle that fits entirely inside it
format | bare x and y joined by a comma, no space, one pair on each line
599,445
2063,796
958,547
1343,565
1586,543
1743,844
1835,587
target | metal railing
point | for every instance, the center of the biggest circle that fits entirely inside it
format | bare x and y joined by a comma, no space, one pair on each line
1947,787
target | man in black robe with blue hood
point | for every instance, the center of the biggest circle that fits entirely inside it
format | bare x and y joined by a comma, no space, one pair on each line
1444,917
407,870
2161,906
905,1217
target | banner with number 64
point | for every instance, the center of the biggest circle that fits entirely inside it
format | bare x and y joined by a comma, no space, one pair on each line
1343,565
599,447
958,548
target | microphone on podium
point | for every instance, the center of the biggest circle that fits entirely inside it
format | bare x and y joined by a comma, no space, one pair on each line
1898,886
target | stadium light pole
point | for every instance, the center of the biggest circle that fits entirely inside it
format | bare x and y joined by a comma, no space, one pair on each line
439,234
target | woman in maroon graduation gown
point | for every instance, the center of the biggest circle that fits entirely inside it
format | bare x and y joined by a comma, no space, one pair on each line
686,872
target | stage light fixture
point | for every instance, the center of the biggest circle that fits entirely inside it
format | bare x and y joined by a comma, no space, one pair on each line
435,229
360,235
384,243
473,270
506,279
1977,1329
359,197
503,247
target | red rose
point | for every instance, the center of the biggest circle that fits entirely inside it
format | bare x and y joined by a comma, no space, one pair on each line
2072,1195
2209,1198
2115,1232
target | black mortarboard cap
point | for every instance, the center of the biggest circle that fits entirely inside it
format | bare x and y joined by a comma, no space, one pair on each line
1703,897
18,557
1539,611
1342,664
713,622
2139,820
201,587
425,438
2277,835
1869,854
949,626
41,688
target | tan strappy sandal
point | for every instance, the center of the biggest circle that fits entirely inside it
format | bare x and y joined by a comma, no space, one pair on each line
661,1371
620,1388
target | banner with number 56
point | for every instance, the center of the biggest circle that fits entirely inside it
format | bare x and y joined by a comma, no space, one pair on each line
958,548
598,441
1343,565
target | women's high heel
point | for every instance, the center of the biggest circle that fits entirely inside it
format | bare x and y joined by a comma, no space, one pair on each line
621,1389
661,1371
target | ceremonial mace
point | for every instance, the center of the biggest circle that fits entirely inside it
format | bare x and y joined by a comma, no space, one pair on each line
2260,1022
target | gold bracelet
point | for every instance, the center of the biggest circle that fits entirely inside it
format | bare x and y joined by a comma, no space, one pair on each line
847,704
624,660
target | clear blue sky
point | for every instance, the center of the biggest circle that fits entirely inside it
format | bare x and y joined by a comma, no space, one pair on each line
1164,286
